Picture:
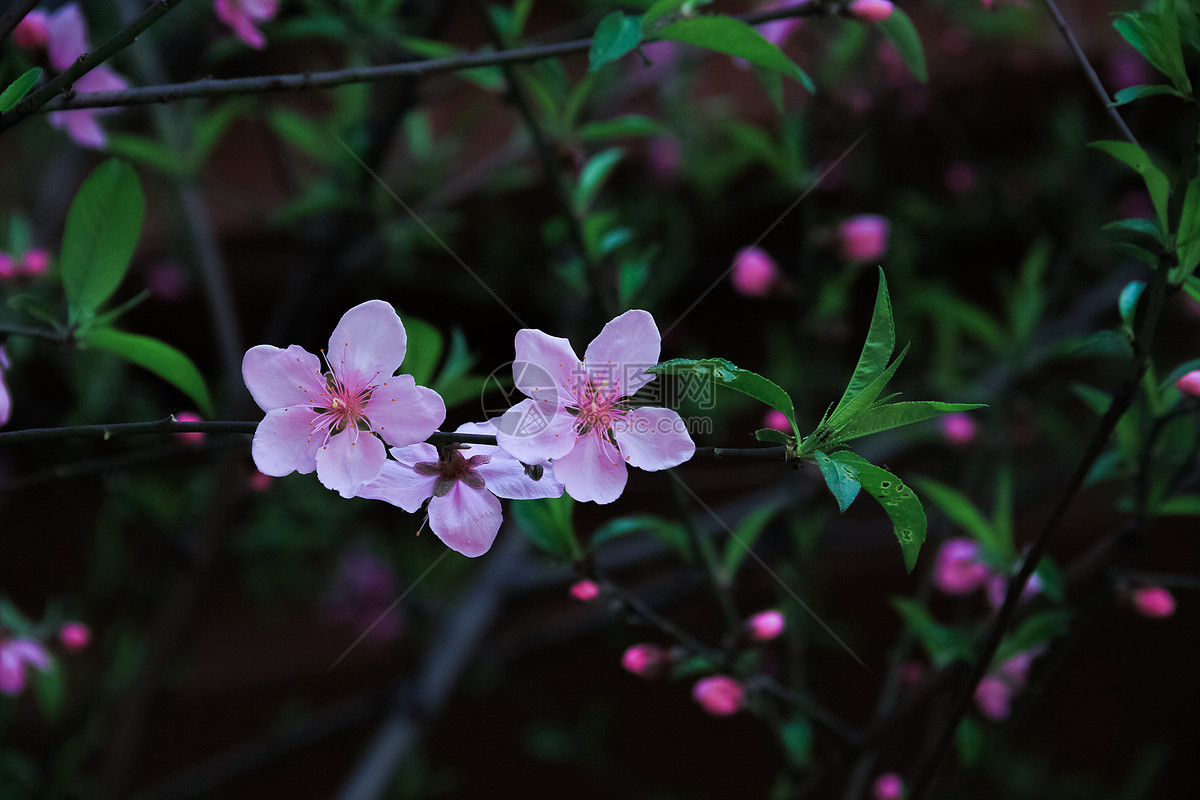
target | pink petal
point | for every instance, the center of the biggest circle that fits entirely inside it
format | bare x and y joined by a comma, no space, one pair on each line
285,442
12,673
545,368
529,434
466,519
369,341
593,471
349,460
5,396
260,10
399,484
654,439
66,31
404,413
623,351
81,126
101,79
506,477
279,378
31,652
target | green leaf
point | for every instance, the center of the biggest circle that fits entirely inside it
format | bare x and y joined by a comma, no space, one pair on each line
1187,238
895,415
670,533
772,435
1127,302
159,357
736,38
877,350
13,93
1183,505
1137,158
963,513
310,137
424,350
1131,93
101,233
547,523
1156,36
900,31
615,36
627,125
1037,630
1136,225
35,306
969,741
745,537
830,429
900,503
731,377
658,10
1051,577
842,480
943,644
148,152
593,175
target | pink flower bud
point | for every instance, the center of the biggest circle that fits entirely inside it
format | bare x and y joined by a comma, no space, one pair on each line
259,482
957,569
189,438
998,586
75,636
993,696
585,590
864,237
35,262
719,695
888,786
8,267
958,428
647,661
1154,602
777,420
1016,669
871,10
1190,383
754,272
766,625
30,33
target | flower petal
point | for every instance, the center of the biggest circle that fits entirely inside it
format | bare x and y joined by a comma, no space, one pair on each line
531,436
368,344
31,652
349,460
286,442
400,485
654,439
66,36
623,351
505,476
81,126
279,378
12,673
546,368
593,471
404,413
466,519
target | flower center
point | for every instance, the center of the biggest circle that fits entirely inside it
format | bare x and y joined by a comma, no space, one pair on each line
453,467
597,411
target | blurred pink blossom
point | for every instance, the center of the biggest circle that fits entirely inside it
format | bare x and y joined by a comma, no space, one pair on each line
1127,68
871,10
241,15
1189,383
719,695
15,655
766,625
190,438
585,590
167,281
75,636
864,237
754,272
888,786
647,661
361,595
958,428
998,585
259,482
993,697
958,568
30,33
1154,602
5,396
777,420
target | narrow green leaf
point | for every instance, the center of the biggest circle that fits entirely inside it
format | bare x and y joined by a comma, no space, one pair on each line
861,402
547,523
901,32
740,380
745,537
627,125
615,36
147,152
658,11
772,435
963,513
1183,505
896,415
670,533
159,357
1187,238
1136,225
899,501
35,306
101,233
1038,629
1137,158
881,341
1053,585
1127,302
736,38
1131,93
593,175
13,93
424,350
842,480
943,644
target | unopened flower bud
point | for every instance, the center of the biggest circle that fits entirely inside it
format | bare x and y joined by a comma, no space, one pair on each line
585,590
777,420
31,32
190,438
754,272
35,262
647,661
958,428
993,697
1154,602
1190,384
871,10
75,636
957,569
719,695
864,237
888,786
766,625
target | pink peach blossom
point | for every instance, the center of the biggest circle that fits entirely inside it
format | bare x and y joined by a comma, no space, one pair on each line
336,423
776,420
958,428
5,396
1189,384
578,413
864,237
888,786
993,697
67,40
190,438
30,33
719,695
585,590
75,636
871,10
647,661
997,586
766,625
15,656
754,272
241,15
1154,602
958,569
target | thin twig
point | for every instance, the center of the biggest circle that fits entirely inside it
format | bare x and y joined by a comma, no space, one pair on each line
13,16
